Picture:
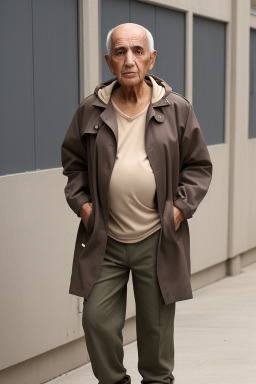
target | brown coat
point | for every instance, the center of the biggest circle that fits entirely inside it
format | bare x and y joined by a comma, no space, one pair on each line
182,168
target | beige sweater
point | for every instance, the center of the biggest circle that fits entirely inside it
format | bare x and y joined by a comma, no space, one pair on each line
133,215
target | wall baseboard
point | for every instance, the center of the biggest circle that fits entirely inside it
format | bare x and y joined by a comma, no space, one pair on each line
248,257
229,267
209,275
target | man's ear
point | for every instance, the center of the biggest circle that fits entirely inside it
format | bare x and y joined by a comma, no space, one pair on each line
152,59
109,62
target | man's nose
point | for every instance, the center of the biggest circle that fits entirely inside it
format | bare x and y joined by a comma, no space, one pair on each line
129,59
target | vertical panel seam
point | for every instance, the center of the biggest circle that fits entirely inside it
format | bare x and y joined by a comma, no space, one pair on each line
100,40
33,85
78,49
156,64
225,82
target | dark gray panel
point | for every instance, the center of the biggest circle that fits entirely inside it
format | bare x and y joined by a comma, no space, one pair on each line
170,46
138,12
55,42
113,13
252,113
209,52
144,14
16,90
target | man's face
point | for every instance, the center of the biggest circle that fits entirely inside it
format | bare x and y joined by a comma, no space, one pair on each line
130,58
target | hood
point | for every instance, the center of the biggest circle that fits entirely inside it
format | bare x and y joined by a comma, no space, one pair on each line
160,88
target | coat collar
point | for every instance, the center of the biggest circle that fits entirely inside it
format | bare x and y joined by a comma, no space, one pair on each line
159,81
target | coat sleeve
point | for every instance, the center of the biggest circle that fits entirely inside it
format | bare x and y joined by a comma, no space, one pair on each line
75,167
195,167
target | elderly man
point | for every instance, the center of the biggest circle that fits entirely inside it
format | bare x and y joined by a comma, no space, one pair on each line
137,168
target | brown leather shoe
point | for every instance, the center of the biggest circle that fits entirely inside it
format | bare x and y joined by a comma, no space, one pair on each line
126,380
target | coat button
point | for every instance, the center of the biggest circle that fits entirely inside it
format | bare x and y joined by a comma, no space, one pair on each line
96,126
159,116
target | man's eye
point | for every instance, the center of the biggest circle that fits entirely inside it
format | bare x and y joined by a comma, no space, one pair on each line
119,53
139,51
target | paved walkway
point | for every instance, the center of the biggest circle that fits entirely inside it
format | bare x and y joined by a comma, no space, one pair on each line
215,337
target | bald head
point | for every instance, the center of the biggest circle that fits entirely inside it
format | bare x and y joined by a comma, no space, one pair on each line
129,28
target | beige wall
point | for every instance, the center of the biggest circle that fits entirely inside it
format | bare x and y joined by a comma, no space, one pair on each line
242,173
37,242
38,229
36,253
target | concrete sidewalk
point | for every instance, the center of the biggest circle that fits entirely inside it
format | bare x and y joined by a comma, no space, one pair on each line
215,337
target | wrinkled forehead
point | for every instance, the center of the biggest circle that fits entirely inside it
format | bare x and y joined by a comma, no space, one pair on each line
129,37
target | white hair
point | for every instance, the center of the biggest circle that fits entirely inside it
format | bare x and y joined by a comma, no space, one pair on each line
149,37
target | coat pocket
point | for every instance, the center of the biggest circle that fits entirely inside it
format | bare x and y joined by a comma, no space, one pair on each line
90,223
168,220
87,231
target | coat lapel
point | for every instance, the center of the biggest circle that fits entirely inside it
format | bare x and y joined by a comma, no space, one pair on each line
108,116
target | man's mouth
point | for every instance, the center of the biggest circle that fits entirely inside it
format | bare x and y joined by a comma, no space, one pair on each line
130,73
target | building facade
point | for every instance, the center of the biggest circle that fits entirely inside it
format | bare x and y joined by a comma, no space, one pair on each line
52,56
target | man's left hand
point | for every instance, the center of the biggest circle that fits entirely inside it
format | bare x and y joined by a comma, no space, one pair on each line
178,217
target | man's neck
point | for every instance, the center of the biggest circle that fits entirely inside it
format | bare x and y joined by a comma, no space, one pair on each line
132,101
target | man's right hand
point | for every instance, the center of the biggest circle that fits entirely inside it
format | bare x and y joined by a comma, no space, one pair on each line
85,213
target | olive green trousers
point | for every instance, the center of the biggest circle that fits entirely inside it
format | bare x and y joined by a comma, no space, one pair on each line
104,315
